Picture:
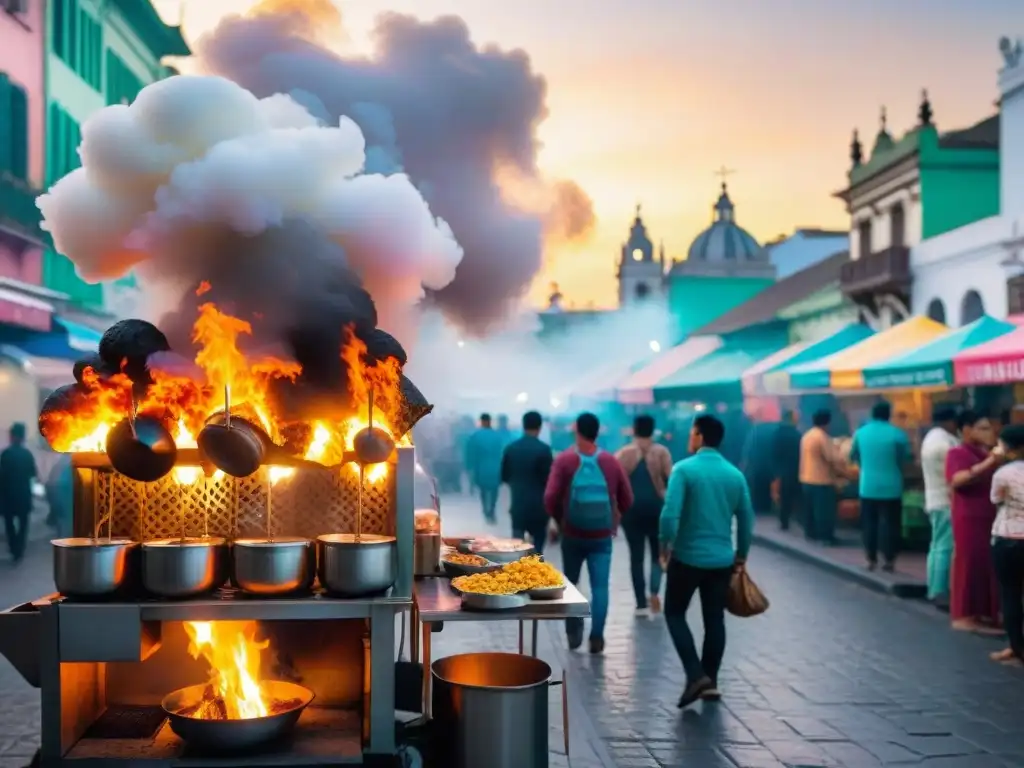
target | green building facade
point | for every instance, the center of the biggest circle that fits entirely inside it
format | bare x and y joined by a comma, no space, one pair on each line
99,52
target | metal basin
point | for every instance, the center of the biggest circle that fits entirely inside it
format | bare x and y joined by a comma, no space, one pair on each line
353,567
91,569
273,566
235,735
179,568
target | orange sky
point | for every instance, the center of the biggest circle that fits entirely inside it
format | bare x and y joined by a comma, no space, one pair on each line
648,97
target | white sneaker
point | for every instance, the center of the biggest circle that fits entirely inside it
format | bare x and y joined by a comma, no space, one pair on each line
642,613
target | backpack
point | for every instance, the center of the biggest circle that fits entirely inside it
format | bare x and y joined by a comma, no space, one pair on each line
590,505
646,502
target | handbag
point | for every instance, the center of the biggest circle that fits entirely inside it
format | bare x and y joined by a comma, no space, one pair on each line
745,598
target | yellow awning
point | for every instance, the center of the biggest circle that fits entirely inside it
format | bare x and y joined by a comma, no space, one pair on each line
846,367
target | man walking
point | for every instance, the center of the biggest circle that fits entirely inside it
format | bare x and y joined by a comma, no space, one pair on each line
818,476
705,494
880,450
483,464
586,495
648,466
525,467
17,470
934,449
786,455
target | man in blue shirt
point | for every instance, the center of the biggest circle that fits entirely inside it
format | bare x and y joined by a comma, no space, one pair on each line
705,493
880,450
483,465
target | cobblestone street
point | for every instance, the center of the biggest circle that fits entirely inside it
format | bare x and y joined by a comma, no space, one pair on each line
832,675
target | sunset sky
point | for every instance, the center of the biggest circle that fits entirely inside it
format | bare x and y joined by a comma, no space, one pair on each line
648,97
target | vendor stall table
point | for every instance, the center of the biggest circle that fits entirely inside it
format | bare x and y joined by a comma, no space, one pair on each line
435,602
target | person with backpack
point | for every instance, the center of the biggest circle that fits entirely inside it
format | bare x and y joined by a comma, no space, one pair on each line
648,466
586,495
705,494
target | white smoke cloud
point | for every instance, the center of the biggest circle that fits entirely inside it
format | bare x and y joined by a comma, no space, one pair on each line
196,156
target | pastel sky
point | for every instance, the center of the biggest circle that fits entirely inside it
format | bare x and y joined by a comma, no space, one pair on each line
648,97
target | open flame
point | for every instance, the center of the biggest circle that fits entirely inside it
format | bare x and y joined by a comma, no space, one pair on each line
185,404
234,691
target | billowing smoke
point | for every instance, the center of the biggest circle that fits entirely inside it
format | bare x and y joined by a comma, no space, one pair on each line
459,120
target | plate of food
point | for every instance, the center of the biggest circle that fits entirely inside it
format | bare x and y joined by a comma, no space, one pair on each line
494,590
499,550
460,564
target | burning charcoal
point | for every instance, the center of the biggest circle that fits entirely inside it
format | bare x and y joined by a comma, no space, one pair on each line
96,363
62,400
134,341
381,345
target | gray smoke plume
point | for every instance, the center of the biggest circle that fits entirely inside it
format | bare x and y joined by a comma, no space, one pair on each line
459,120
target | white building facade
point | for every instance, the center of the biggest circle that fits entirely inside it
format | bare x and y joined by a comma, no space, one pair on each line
979,268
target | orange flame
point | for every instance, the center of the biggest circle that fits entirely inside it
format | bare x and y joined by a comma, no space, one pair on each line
233,653
185,404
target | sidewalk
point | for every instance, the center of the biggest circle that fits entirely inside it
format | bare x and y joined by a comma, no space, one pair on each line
846,559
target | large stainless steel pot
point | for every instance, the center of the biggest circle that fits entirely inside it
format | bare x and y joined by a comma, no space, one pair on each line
179,568
235,735
91,569
352,567
273,566
491,709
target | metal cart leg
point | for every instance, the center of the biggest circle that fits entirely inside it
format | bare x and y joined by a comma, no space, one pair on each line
427,708
382,680
533,638
414,633
522,648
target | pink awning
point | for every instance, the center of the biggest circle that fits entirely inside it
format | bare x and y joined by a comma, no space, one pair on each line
25,311
752,375
638,389
1000,361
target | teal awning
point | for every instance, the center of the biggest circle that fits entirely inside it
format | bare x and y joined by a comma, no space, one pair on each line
779,380
80,337
932,364
716,377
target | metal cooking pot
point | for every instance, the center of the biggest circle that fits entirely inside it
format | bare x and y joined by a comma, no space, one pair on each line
273,566
234,445
352,567
94,568
235,735
178,568
141,448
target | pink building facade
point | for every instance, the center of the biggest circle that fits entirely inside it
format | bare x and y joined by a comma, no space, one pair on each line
22,152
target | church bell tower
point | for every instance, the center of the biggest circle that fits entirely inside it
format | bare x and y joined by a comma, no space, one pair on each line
639,274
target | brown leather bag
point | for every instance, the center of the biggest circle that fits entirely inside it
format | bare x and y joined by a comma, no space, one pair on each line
745,599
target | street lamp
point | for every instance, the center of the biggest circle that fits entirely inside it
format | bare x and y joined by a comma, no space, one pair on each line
655,346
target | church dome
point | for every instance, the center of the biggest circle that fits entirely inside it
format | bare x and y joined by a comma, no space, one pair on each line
724,240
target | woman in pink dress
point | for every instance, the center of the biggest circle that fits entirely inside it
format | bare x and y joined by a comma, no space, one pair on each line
974,591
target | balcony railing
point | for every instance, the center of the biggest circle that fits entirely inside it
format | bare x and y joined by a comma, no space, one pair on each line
883,272
18,211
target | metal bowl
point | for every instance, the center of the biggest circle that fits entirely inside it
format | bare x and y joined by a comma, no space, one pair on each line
352,567
94,568
547,593
179,568
459,569
234,735
476,601
273,566
503,557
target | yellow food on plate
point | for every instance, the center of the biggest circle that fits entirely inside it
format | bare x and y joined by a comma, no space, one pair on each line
520,576
458,558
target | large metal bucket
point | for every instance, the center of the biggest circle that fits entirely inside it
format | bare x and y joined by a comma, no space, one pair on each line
491,709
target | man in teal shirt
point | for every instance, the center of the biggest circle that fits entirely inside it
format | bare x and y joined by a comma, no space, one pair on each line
483,464
705,493
880,450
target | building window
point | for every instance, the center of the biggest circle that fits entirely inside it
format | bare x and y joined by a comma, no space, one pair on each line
897,226
937,310
971,308
864,238
63,135
77,40
642,291
122,85
13,128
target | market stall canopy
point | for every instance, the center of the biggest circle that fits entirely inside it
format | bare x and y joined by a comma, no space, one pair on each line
776,380
1000,361
752,377
932,364
716,376
638,388
843,370
599,384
